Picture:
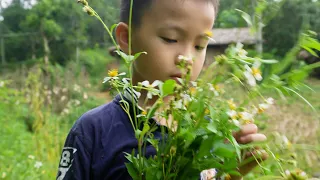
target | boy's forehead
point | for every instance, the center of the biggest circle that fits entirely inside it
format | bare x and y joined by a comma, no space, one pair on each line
169,12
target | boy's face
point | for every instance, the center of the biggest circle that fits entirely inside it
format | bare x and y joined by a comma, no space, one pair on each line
170,28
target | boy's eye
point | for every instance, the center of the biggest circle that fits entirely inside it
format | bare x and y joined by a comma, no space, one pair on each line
199,48
169,40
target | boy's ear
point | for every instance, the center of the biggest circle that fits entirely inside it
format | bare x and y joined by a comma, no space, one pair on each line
122,36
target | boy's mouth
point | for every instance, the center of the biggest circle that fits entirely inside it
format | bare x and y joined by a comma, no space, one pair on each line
176,77
179,75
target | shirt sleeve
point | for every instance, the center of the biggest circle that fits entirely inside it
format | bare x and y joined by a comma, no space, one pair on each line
75,159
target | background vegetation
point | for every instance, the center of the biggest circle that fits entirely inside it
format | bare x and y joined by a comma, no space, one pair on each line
54,57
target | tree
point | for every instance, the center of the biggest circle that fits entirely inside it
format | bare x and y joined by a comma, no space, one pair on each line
295,16
41,18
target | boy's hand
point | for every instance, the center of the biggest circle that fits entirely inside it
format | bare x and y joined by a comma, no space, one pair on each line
247,134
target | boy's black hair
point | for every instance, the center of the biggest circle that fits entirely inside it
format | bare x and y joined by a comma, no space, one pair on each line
139,7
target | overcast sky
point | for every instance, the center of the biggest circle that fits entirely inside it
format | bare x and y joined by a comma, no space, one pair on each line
6,3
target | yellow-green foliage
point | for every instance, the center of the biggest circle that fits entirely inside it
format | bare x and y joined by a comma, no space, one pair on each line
36,118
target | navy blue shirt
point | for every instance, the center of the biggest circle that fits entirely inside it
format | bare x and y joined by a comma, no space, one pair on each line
95,146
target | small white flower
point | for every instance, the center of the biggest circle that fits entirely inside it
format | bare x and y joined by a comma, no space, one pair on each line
77,102
152,91
142,114
252,74
76,88
287,172
85,96
1,83
264,106
56,90
184,58
179,105
303,174
236,122
194,84
240,51
213,89
31,157
246,117
286,141
64,90
63,98
239,46
186,97
65,111
270,101
180,80
232,114
209,174
250,79
4,174
231,104
38,164
113,75
48,92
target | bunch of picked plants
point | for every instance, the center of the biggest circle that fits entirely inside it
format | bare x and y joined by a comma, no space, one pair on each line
199,118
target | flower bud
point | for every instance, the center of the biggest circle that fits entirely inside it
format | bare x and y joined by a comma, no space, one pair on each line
173,150
84,2
88,10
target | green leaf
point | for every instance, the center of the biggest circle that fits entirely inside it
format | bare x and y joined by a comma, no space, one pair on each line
212,127
310,51
246,17
224,150
146,128
154,143
167,88
132,171
136,56
129,58
269,61
137,133
205,147
304,99
113,27
188,137
129,157
236,173
124,56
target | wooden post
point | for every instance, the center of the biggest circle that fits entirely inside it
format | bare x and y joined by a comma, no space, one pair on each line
3,57
259,45
77,53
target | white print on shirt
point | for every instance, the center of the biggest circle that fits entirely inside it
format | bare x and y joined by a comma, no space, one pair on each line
66,161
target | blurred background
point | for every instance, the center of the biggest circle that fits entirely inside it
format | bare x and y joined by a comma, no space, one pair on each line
53,58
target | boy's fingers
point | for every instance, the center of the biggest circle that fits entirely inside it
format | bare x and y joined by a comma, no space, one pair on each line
246,129
259,154
252,138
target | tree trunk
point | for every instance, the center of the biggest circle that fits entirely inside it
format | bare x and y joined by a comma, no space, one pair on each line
33,49
46,48
3,56
259,45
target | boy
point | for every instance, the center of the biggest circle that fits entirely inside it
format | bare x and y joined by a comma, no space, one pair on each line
164,29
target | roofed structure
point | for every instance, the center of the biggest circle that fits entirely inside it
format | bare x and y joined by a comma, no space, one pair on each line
226,36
